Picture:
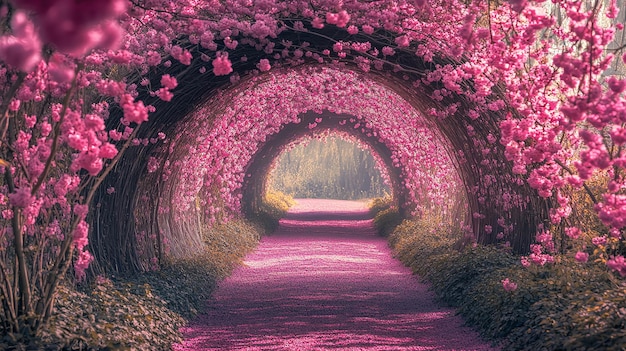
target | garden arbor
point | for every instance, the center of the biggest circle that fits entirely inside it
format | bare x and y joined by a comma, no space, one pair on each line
224,137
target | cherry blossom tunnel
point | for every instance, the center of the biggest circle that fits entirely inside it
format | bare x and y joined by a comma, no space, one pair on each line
326,123
205,155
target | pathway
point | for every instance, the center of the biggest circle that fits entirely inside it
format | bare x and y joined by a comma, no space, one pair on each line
325,281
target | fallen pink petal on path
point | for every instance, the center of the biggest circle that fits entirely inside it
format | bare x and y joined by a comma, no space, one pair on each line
325,281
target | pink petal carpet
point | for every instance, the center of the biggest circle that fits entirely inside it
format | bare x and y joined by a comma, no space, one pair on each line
325,281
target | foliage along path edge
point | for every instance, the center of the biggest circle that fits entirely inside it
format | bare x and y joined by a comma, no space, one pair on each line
325,280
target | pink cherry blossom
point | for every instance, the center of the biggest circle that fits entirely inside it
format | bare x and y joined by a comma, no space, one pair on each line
21,50
617,263
222,65
21,198
508,285
599,240
581,256
134,112
264,65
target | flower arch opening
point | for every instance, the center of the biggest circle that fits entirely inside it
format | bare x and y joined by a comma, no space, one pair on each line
216,162
329,165
233,140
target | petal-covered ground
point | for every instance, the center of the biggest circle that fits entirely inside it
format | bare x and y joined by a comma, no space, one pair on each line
325,281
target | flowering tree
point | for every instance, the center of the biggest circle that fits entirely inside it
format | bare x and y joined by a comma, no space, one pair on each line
54,147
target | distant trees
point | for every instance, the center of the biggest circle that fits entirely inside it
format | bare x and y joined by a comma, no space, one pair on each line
332,168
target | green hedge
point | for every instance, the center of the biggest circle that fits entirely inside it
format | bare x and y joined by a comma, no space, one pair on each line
274,206
564,306
386,216
144,311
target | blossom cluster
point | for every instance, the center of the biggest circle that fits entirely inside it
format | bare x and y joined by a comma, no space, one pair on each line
229,141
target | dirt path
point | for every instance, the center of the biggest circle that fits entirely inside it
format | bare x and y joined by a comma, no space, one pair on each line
325,281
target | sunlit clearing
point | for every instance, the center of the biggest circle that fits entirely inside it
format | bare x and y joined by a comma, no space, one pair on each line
332,168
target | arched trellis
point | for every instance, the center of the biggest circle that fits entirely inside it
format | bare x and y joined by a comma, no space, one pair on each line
255,184
114,238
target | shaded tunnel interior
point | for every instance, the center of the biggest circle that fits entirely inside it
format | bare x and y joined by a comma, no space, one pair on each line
130,224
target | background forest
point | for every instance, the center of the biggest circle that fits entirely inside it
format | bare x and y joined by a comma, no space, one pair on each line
332,168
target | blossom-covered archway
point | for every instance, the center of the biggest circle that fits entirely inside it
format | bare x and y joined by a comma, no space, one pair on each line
221,151
314,125
520,93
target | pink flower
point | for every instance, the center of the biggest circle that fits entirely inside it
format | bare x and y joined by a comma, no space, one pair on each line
115,135
134,112
581,256
541,259
403,41
59,70
80,235
599,240
317,23
615,233
153,58
7,214
88,161
518,5
264,65
340,19
94,122
81,264
525,262
616,85
182,55
164,94
21,198
572,232
231,44
367,29
153,164
22,50
30,121
64,185
508,285
75,27
107,150
168,82
617,263
388,51
222,65
81,211
110,35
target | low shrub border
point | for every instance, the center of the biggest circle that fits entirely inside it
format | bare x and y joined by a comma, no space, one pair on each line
145,311
386,216
563,306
